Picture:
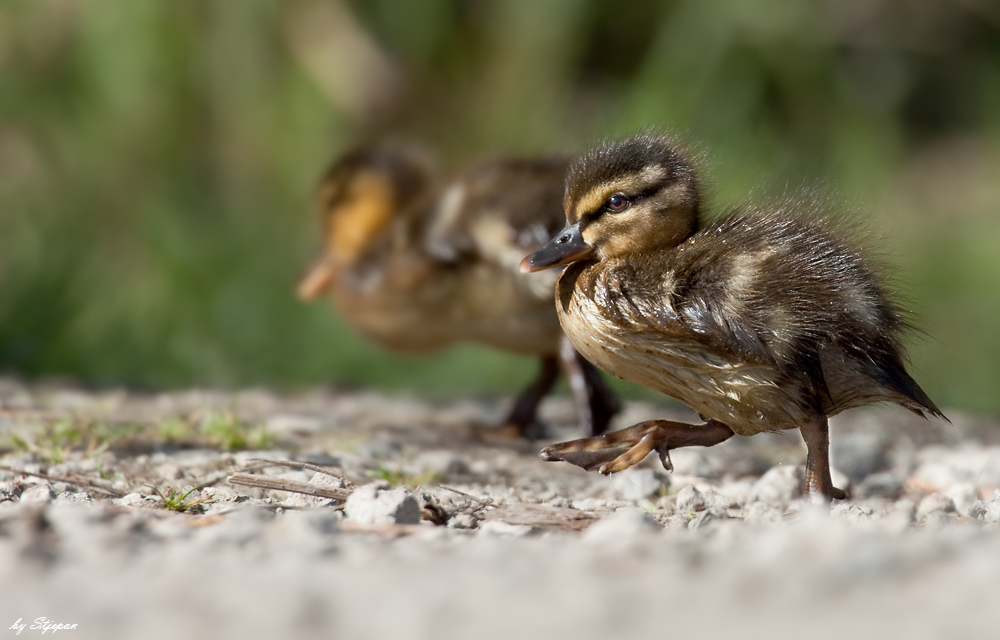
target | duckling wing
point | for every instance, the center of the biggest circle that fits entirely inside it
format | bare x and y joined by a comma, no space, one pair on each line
795,292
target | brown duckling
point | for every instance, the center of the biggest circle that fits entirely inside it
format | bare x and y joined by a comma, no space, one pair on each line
415,264
764,319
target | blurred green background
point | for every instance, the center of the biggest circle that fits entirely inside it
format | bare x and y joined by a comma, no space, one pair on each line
157,159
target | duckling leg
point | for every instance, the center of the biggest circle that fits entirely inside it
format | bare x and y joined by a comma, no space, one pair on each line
818,483
619,450
595,402
522,416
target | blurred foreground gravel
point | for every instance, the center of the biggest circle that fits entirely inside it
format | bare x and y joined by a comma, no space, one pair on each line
129,529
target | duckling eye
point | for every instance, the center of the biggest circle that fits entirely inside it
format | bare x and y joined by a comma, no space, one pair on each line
617,202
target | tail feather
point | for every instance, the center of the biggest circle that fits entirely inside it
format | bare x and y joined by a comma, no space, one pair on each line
893,375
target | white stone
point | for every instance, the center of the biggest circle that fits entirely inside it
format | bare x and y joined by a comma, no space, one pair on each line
170,471
879,485
498,529
463,521
638,484
442,463
692,499
624,524
371,505
858,454
779,484
691,462
965,496
138,500
987,510
74,496
219,494
935,503
37,493
762,513
9,491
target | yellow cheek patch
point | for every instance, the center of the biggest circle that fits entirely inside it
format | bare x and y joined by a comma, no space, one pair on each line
591,201
359,218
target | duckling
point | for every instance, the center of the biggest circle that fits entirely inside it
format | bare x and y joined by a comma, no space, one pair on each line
764,319
415,264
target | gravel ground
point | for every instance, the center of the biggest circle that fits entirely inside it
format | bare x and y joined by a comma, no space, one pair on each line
116,515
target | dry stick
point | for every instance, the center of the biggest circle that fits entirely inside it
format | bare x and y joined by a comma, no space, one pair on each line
294,486
82,482
294,464
488,502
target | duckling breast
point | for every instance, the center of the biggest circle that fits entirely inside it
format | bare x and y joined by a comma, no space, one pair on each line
636,339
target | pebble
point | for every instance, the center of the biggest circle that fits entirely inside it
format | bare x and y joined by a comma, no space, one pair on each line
370,504
170,472
851,512
879,485
138,500
727,530
692,499
219,494
858,454
380,450
986,510
624,524
935,503
763,513
499,529
780,484
10,491
638,484
443,463
239,527
965,496
37,493
463,521
691,462
75,496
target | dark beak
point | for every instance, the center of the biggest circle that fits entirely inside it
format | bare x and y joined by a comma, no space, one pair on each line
566,248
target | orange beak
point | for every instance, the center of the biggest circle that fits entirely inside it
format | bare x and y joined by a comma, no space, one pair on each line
317,281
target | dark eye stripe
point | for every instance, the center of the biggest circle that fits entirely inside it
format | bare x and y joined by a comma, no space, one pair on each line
591,217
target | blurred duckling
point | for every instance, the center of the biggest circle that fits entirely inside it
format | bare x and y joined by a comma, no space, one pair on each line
415,264
762,320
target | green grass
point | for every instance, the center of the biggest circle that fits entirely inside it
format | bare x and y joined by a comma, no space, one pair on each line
177,499
53,441
397,478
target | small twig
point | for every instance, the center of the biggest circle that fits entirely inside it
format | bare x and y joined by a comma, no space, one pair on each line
483,504
82,482
293,486
295,464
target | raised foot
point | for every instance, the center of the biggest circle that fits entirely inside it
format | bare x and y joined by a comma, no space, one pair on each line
619,450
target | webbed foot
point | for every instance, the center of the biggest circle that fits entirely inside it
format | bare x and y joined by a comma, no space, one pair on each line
619,450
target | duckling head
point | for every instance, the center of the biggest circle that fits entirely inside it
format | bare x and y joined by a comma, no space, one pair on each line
358,197
622,198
